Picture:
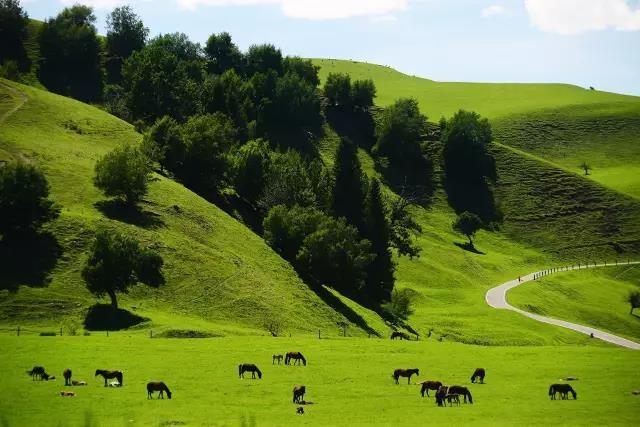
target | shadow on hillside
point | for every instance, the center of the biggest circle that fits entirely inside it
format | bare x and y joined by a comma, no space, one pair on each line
468,247
476,197
103,317
134,215
27,260
334,302
413,180
358,126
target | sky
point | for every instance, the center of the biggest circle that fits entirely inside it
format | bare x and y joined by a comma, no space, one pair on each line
583,42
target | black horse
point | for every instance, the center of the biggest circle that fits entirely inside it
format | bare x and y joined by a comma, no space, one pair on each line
478,373
107,375
441,395
249,367
36,372
563,389
157,386
429,385
295,355
298,393
462,391
405,373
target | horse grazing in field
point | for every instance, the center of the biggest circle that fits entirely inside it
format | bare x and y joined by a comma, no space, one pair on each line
462,391
563,389
248,367
298,393
399,334
36,372
441,395
295,355
429,385
405,373
157,386
478,373
107,375
67,376
277,357
453,398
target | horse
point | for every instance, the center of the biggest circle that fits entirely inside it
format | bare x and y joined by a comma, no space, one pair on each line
157,386
107,375
36,372
277,357
398,334
300,410
441,394
462,391
294,355
67,376
563,389
248,367
453,398
429,385
67,393
478,373
78,383
405,373
298,393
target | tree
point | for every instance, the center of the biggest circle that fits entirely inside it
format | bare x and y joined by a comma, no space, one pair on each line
350,185
363,93
586,167
163,143
404,227
400,306
117,262
634,300
467,223
123,173
262,58
251,165
222,54
13,32
303,68
337,89
288,182
24,199
286,228
71,54
227,94
399,131
126,34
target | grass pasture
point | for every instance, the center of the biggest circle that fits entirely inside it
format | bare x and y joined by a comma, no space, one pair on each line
348,380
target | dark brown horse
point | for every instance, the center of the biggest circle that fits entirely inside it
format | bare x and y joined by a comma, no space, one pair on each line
563,389
398,334
107,375
453,398
67,376
429,385
298,393
405,373
441,395
36,372
249,367
277,357
297,356
478,373
157,386
462,391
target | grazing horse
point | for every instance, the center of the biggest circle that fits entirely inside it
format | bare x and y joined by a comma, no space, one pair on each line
429,385
563,389
462,391
277,357
298,393
157,386
248,367
441,395
67,376
478,373
399,334
405,373
294,355
107,375
36,372
453,398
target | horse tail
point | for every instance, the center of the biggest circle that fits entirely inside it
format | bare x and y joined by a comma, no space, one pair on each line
119,377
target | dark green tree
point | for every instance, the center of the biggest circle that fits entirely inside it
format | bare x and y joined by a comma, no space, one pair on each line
228,94
400,130
304,68
71,54
252,163
634,300
222,54
24,199
363,92
337,89
262,58
400,306
288,182
380,277
123,173
163,143
285,228
13,32
117,262
467,223
126,34
350,185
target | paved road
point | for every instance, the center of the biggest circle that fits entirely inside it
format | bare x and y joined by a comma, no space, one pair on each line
497,298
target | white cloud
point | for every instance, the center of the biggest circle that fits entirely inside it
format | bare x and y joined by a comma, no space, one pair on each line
578,16
313,9
494,9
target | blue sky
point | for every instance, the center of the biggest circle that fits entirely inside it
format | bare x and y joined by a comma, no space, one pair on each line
584,42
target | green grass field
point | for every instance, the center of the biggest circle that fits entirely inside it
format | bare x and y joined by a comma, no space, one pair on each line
348,380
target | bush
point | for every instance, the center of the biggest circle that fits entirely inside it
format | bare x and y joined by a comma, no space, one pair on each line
123,173
401,305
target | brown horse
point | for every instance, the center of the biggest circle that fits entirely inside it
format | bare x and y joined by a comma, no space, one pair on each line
405,373
248,367
398,334
67,376
157,386
453,398
429,385
277,357
107,375
462,391
298,393
441,395
478,373
297,356
563,389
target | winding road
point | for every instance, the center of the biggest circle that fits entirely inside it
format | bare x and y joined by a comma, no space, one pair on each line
497,298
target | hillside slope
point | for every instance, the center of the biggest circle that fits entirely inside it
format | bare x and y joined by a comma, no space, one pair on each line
220,275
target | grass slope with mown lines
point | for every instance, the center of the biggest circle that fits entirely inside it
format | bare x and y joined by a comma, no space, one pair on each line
589,297
219,274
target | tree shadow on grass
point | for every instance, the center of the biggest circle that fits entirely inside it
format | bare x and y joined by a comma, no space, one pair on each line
103,317
334,302
468,247
118,210
27,260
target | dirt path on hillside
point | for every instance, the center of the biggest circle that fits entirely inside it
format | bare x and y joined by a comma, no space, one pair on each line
497,298
23,100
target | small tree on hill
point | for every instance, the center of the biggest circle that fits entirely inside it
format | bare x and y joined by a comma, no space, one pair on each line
362,93
400,307
634,300
586,167
468,224
117,262
123,173
337,88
